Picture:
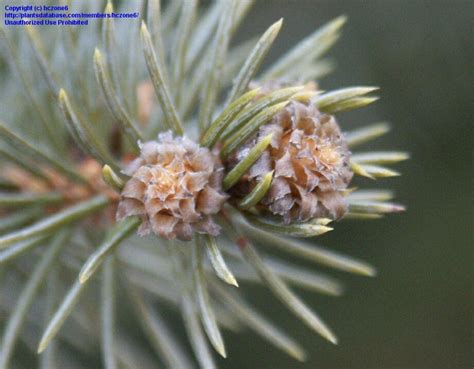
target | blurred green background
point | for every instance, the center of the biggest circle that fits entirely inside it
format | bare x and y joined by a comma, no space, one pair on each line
417,313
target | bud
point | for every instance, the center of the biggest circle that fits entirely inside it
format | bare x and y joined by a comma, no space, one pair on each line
310,159
175,187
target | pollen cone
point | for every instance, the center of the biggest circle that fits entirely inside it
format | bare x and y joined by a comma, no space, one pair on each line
310,159
175,187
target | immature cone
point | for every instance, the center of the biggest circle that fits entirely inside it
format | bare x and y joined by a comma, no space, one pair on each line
175,187
310,159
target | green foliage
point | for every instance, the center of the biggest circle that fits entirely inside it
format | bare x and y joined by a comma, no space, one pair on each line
201,84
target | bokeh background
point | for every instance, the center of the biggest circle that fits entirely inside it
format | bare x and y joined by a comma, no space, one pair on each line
417,313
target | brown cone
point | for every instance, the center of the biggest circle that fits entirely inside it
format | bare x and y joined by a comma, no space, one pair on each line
310,158
175,187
